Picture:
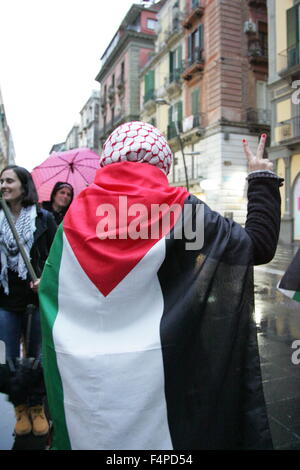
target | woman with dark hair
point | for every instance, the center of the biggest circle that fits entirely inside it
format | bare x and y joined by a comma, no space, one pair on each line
60,200
22,378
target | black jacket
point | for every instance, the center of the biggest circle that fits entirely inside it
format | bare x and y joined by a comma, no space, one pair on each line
20,293
58,216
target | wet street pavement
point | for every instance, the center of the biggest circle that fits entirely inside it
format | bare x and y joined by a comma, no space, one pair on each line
278,321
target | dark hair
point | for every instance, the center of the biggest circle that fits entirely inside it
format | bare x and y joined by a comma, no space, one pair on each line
59,185
30,196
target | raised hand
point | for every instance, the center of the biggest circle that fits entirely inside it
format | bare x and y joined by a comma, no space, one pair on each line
257,162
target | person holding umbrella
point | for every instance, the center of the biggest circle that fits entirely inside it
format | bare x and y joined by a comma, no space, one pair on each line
22,378
60,200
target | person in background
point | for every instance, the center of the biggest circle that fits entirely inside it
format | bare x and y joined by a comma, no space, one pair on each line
61,197
21,378
290,283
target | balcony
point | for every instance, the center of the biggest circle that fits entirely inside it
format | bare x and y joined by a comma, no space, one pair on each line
289,62
149,101
172,131
193,64
259,116
121,84
192,13
173,83
289,130
111,95
103,104
258,53
257,3
194,121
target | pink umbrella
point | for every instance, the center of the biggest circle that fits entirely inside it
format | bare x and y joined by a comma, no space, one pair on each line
77,167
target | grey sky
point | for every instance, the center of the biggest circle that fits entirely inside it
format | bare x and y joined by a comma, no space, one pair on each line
49,57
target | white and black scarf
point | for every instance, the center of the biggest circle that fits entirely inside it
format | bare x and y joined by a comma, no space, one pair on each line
11,257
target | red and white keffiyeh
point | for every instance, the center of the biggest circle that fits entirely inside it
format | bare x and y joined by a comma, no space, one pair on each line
137,142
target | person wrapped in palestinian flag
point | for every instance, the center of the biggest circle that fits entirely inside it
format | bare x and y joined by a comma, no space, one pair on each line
290,283
147,301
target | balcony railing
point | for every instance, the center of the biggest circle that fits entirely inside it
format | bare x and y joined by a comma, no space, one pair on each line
289,129
175,76
289,59
258,50
192,12
120,81
259,116
103,103
193,64
257,3
172,132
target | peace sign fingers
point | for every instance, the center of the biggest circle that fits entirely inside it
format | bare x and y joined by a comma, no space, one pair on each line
257,162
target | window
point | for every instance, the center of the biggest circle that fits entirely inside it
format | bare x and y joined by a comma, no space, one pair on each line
175,115
263,38
293,35
122,72
195,102
175,64
195,45
149,86
151,24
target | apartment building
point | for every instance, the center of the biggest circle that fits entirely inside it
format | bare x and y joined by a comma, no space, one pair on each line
284,76
125,56
72,140
207,83
89,123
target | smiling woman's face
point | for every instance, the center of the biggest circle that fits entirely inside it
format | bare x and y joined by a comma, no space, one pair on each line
11,186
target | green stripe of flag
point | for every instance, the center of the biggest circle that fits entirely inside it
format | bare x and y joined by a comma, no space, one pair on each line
297,296
49,310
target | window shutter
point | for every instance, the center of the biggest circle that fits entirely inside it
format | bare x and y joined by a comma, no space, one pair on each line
151,80
179,57
200,34
179,115
195,101
292,18
170,112
190,48
171,62
146,84
292,23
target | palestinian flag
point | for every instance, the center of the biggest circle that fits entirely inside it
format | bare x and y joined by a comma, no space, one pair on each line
148,345
290,283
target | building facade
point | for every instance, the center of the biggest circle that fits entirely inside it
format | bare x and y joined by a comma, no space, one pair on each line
122,61
207,82
72,140
89,123
284,76
7,151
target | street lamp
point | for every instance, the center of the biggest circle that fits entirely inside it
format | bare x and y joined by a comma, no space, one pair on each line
161,101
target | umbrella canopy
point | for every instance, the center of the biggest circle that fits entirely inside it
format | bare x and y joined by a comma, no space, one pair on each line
77,167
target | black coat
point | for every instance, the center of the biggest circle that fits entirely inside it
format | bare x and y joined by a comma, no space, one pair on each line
20,293
43,238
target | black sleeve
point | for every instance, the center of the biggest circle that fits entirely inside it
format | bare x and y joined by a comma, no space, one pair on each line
263,218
